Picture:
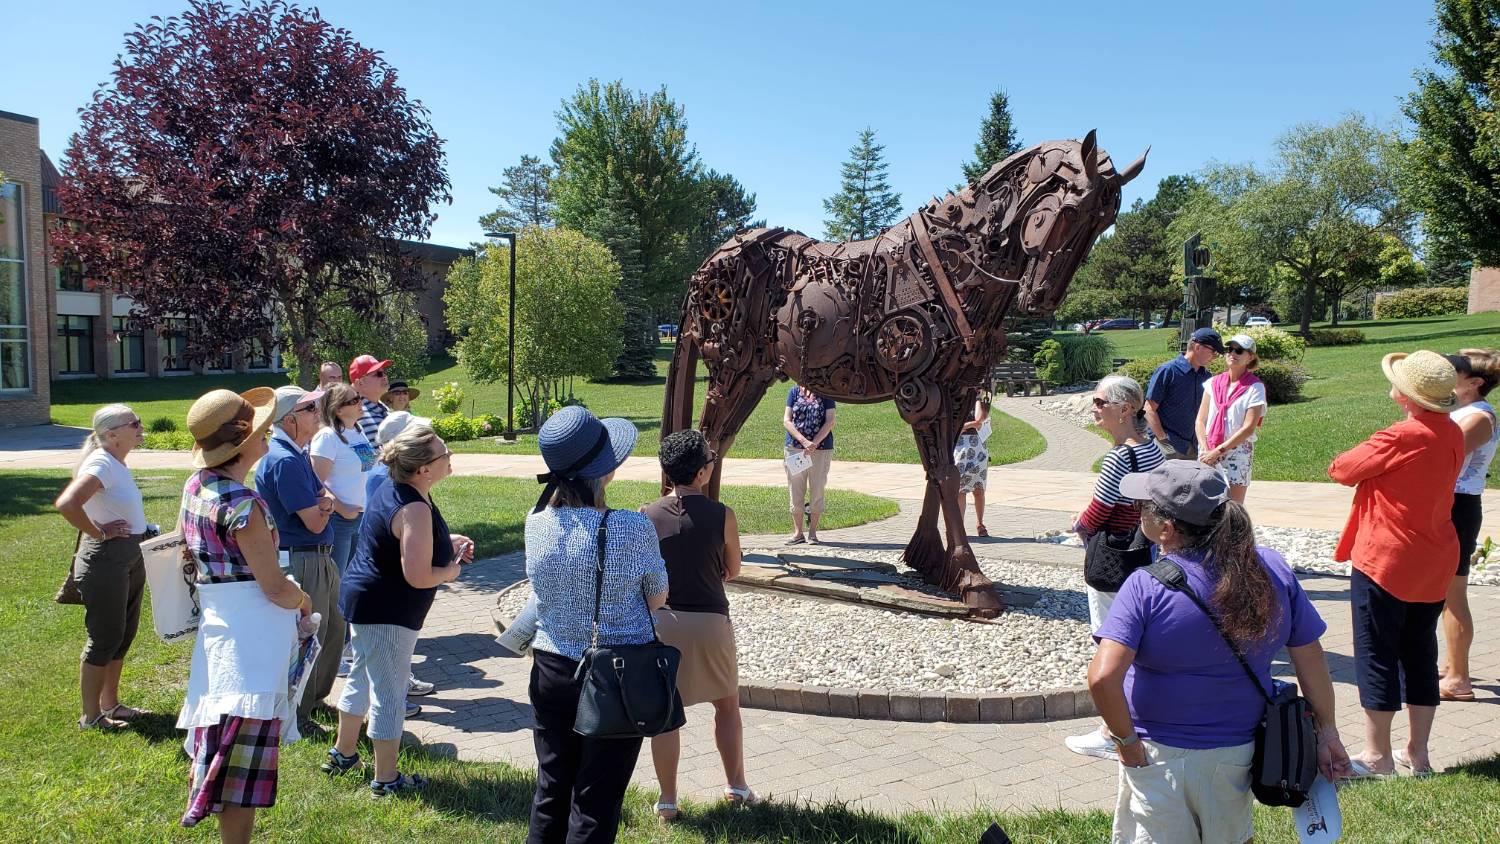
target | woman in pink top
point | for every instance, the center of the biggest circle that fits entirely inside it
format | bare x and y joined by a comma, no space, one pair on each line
1233,406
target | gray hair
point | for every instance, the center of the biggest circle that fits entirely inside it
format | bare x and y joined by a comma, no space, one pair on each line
106,419
408,452
1123,390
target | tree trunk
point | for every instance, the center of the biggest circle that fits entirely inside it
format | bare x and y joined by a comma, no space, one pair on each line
301,328
1308,292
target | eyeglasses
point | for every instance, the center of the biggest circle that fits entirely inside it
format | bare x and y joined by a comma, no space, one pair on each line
446,453
399,391
349,403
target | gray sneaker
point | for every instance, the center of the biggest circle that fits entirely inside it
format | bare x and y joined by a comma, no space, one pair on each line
412,709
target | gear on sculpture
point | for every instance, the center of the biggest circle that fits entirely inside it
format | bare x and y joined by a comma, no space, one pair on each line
912,315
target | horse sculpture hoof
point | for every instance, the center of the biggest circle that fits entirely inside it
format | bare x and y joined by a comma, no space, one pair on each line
982,600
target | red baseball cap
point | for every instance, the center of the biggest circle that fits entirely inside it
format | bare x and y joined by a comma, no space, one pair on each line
365,365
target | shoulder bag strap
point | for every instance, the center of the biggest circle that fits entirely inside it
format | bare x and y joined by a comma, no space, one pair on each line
1170,575
601,537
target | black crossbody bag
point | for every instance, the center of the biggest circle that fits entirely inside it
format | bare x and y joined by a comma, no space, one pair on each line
628,691
1109,558
1285,762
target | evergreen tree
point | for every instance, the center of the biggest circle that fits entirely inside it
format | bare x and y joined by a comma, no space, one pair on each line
997,139
525,197
1453,164
865,203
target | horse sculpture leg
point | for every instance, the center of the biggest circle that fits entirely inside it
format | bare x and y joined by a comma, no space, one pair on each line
953,567
730,402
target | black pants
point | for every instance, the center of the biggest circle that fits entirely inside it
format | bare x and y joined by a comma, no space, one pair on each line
580,782
1468,515
1394,640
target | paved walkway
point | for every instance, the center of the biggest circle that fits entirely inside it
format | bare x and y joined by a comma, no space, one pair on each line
1069,447
480,710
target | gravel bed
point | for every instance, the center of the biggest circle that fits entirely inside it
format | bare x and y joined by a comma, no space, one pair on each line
794,639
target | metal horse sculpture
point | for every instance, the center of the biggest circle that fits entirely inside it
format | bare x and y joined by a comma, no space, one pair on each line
913,314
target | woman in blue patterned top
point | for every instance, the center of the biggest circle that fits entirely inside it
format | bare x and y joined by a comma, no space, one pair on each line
808,421
580,780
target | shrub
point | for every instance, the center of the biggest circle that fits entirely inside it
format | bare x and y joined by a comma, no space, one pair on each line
1270,343
1422,302
1335,337
488,425
1284,379
454,428
1071,359
168,441
450,398
162,425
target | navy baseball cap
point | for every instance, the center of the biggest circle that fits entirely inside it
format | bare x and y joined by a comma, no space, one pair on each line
1210,338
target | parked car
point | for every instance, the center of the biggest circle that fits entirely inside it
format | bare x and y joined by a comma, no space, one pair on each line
1120,324
667,330
1257,322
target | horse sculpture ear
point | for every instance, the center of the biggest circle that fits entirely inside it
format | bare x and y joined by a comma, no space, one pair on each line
1090,155
1135,167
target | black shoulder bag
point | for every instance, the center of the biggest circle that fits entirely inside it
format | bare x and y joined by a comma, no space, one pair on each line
1286,740
628,691
1109,558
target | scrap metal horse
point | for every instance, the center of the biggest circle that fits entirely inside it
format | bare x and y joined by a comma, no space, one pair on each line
913,314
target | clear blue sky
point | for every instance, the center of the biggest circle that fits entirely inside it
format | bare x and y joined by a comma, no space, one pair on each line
775,93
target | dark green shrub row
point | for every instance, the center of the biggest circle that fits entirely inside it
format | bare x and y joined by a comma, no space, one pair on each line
1335,337
1422,302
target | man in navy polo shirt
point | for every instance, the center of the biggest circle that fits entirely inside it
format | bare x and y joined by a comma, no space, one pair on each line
1173,394
301,506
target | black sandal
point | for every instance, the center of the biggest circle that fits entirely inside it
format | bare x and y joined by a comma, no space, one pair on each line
338,763
402,784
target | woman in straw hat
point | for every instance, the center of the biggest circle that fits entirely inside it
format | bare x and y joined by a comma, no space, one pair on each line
1399,528
238,694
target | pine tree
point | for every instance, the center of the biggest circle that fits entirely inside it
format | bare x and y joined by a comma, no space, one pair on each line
865,203
525,197
997,138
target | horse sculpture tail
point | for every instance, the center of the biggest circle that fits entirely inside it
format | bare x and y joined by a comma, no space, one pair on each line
682,372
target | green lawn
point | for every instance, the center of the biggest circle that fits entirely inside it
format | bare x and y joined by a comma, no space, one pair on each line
864,432
1346,398
63,785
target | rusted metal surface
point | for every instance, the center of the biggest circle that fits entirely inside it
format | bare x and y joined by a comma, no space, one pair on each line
912,315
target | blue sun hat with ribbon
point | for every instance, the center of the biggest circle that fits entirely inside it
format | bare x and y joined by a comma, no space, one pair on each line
577,445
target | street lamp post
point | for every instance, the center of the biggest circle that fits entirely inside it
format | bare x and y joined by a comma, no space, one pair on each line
510,365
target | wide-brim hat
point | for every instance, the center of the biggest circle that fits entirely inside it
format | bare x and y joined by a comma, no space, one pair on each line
222,423
411,392
577,444
1427,378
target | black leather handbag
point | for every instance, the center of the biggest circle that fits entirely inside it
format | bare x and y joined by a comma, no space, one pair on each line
1109,558
1285,761
628,691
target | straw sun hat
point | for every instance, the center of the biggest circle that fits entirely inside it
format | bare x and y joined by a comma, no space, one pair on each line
223,423
1426,378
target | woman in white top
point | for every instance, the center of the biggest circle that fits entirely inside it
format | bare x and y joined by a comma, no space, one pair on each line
104,503
1233,406
341,456
1478,372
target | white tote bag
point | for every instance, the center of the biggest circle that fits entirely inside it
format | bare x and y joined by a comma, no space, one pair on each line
174,597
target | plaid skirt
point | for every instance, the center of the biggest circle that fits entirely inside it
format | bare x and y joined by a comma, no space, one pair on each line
234,764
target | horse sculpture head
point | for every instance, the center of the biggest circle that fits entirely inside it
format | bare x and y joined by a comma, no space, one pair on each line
1031,220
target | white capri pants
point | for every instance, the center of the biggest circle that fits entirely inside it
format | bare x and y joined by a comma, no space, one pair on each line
380,676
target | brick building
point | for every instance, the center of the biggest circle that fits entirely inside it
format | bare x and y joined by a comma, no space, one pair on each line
1484,289
57,324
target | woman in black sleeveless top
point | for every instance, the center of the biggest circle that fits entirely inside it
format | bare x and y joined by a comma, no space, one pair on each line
700,542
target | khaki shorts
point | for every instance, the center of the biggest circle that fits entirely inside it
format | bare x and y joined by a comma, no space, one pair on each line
1186,796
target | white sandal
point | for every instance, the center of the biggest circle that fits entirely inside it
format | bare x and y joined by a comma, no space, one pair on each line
667,812
741,796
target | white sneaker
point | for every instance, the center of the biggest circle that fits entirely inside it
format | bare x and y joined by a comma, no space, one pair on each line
1092,743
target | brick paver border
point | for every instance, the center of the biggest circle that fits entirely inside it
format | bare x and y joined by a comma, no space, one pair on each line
904,705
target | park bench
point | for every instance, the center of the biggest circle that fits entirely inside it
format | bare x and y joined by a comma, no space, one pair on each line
1117,363
1017,377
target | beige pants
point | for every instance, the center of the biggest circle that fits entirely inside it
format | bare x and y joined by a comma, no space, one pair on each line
809,483
1186,796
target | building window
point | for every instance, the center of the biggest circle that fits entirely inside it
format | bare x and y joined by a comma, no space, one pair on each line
224,363
259,355
174,337
130,346
68,275
75,345
15,335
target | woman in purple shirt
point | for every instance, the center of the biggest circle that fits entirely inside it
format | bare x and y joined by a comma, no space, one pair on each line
1178,703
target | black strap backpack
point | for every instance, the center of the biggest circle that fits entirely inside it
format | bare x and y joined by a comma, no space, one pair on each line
1285,762
628,691
1109,558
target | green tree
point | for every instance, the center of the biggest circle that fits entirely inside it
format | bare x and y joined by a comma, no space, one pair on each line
1453,164
390,328
724,209
997,138
1138,261
525,197
865,203
567,315
1310,215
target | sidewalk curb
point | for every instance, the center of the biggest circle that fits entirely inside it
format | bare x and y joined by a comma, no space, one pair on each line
923,706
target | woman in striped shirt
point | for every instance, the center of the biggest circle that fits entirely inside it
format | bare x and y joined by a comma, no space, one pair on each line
1119,406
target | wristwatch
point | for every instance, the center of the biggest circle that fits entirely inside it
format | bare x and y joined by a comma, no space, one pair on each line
1134,738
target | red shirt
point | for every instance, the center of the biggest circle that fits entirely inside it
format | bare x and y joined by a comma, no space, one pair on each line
1400,529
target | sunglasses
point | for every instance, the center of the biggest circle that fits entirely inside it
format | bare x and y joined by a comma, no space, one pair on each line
1235,350
1098,402
349,403
306,408
399,391
134,423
